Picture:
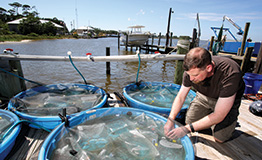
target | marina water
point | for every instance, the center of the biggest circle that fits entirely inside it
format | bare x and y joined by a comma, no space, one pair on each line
122,73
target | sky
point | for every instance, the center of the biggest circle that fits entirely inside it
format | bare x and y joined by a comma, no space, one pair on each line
153,14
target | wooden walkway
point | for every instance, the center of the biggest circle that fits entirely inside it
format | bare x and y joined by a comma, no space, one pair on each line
246,143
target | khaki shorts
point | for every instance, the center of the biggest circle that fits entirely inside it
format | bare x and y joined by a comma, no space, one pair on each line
202,106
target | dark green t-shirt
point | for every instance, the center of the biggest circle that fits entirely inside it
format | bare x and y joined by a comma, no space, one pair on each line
226,81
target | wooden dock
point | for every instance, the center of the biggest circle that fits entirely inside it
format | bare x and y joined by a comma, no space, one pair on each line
246,143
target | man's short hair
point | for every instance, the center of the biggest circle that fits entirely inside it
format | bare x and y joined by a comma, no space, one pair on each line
197,58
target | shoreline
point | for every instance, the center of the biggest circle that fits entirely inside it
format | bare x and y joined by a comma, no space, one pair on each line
22,41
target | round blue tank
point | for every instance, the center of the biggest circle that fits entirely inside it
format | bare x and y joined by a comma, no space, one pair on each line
52,141
7,119
49,121
155,96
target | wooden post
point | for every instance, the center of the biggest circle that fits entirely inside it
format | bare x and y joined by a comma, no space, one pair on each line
246,59
168,26
211,43
258,65
179,63
159,40
147,47
16,66
108,63
171,36
118,40
126,41
10,84
152,41
194,37
244,39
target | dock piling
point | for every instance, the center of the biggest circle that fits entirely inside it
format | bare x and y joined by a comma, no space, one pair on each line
182,48
244,39
152,41
159,40
168,26
10,84
246,59
211,43
108,63
118,40
126,41
258,65
171,38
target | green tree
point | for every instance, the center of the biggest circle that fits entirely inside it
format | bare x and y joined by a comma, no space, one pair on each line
3,14
16,6
48,28
29,25
3,28
26,8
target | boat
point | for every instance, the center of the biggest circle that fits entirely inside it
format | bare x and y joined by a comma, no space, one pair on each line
233,46
135,37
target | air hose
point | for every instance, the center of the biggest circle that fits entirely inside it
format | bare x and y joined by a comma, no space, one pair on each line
22,121
20,77
69,54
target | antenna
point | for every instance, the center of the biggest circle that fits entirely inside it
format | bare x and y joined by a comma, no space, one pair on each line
76,16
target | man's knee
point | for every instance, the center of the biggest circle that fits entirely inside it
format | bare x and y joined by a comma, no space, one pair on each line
224,133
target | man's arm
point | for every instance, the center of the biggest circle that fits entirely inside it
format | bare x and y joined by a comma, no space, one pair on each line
222,108
179,101
176,107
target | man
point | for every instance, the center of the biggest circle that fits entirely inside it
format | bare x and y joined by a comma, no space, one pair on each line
219,85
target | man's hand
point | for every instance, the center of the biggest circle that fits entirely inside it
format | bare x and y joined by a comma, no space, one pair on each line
168,126
177,132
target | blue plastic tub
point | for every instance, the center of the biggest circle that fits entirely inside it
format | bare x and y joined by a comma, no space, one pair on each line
253,83
154,108
8,142
50,122
51,141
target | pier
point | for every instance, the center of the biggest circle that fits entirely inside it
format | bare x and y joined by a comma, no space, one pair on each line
150,47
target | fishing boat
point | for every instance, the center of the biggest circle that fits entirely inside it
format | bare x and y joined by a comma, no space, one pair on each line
135,36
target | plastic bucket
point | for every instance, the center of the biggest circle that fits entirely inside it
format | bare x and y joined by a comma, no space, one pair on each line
51,141
8,142
154,108
51,121
253,83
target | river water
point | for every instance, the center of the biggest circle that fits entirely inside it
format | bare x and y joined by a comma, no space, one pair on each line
122,73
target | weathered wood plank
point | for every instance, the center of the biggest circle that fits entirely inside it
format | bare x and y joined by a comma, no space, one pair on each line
27,143
246,142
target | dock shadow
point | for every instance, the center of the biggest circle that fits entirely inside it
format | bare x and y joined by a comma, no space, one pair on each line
242,145
27,144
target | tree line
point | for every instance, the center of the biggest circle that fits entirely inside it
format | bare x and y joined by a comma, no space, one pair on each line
30,23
